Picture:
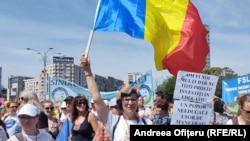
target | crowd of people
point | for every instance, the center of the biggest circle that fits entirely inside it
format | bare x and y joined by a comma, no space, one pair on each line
28,119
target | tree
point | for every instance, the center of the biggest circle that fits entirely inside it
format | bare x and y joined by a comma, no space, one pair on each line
167,87
223,73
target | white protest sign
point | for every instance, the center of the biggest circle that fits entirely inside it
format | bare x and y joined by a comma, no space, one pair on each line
196,87
190,113
193,96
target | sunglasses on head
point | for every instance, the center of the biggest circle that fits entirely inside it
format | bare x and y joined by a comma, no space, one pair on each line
49,108
246,111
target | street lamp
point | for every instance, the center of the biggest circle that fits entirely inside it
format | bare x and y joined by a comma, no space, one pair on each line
44,56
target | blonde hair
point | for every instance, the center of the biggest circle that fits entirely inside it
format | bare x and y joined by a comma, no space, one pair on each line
32,98
241,99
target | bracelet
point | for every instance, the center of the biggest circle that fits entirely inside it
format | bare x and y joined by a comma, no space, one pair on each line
89,74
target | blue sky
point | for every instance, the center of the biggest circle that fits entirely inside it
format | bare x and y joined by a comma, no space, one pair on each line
65,26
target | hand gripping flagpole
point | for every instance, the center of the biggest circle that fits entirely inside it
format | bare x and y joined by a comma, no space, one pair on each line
92,30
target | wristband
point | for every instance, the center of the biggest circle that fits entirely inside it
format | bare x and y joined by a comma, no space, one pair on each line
89,74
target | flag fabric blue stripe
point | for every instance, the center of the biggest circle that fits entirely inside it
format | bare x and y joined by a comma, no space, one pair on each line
112,15
64,132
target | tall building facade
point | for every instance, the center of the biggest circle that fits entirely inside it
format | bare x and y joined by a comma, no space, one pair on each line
64,67
15,86
131,77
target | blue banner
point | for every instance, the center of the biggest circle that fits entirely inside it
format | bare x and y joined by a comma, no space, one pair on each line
145,84
59,89
234,86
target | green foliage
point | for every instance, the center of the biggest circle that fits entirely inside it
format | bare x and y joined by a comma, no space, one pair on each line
4,96
224,73
168,85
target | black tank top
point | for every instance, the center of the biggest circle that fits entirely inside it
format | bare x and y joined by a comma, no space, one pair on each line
84,132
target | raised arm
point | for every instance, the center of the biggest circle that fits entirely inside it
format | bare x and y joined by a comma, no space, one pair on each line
101,107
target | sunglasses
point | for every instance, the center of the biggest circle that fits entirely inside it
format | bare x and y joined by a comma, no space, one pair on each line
21,98
246,111
126,100
49,108
13,107
114,107
68,102
80,103
26,117
63,108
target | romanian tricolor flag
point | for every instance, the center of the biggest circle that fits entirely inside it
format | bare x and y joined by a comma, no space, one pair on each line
173,27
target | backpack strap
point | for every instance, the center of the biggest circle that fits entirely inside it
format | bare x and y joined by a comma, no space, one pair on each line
214,118
144,121
19,136
60,115
115,127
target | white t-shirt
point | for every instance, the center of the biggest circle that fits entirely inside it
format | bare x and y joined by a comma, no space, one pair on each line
11,123
122,128
42,136
230,122
146,112
62,116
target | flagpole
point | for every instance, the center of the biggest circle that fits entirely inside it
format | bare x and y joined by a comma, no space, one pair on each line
92,30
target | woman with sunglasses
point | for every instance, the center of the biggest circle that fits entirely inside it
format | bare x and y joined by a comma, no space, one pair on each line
84,123
53,124
27,96
28,117
243,117
10,118
118,126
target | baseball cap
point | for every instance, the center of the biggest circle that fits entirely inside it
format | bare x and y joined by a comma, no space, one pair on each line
63,105
69,98
29,109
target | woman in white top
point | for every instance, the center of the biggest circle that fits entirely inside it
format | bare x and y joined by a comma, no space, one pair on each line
127,102
243,117
28,117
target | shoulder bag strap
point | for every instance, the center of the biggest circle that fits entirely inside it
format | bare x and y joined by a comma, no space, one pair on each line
115,127
19,136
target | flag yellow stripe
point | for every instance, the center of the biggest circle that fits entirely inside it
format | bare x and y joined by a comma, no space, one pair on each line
163,24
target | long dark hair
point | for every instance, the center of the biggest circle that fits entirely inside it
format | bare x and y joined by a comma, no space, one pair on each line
76,100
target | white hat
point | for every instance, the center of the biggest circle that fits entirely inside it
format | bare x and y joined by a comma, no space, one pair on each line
112,102
63,105
106,102
29,109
